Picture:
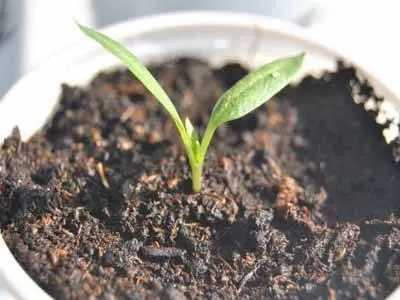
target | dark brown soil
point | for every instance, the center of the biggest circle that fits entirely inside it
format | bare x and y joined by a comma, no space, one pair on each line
300,198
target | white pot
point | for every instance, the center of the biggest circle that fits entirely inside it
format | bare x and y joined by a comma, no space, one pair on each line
214,36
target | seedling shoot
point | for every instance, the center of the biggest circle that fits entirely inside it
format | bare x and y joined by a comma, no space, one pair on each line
245,96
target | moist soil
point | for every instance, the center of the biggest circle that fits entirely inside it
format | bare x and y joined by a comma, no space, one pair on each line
300,198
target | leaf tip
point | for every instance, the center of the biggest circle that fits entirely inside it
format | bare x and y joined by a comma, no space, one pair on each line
78,24
83,28
301,56
189,127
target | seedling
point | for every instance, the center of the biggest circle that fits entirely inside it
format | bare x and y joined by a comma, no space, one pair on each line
245,96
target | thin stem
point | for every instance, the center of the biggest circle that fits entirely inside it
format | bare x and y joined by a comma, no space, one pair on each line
197,164
197,174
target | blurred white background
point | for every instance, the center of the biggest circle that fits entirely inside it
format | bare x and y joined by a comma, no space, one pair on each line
39,29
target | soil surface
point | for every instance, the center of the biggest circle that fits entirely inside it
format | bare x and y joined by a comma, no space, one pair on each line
300,198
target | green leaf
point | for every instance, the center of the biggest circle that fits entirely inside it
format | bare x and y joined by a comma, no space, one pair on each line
194,137
190,130
255,89
137,68
249,93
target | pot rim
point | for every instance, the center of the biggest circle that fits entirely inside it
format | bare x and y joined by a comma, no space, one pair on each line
188,18
18,282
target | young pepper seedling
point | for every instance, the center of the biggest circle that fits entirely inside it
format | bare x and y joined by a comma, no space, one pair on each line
246,95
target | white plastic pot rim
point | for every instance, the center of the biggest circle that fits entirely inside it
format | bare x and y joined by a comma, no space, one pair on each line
18,283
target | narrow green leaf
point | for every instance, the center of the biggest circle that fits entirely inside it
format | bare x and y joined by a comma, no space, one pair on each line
139,70
255,89
190,129
136,67
194,137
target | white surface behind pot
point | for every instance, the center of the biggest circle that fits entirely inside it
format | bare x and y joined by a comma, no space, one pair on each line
42,28
217,37
106,12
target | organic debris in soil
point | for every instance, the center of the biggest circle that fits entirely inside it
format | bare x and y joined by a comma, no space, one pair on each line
300,198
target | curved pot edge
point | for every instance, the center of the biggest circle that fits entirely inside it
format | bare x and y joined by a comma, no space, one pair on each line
9,266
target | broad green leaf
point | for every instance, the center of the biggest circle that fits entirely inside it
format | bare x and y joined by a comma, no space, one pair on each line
255,89
137,68
249,93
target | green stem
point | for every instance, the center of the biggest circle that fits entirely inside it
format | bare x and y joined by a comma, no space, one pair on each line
197,174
